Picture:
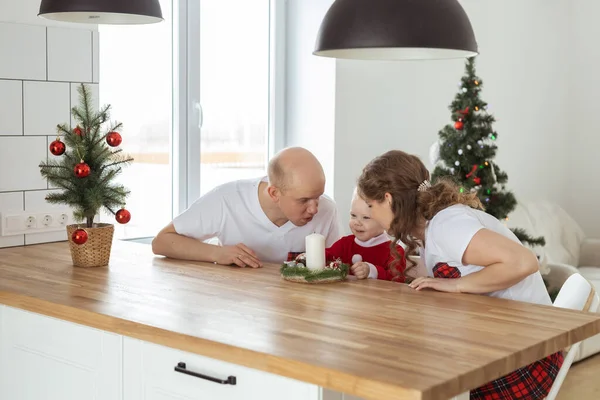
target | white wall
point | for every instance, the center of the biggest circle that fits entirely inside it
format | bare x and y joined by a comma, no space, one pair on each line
583,181
310,85
525,49
42,62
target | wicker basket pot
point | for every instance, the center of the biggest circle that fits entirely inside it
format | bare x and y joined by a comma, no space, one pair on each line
96,251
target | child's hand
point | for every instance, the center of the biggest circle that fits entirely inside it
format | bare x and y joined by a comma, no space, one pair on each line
361,270
301,258
439,284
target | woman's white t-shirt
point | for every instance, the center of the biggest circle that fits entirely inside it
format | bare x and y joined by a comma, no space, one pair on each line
449,233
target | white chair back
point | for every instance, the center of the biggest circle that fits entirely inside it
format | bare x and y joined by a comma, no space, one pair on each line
576,294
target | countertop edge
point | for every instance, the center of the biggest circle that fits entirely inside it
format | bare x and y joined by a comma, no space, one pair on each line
320,376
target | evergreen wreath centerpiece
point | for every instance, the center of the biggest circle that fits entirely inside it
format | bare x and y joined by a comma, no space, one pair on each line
297,271
85,172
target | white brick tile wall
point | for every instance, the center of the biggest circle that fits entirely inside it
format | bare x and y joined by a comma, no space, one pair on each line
19,163
22,51
96,57
69,55
42,64
11,104
10,202
46,105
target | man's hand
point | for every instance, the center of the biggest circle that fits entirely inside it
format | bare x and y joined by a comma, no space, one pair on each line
361,270
240,255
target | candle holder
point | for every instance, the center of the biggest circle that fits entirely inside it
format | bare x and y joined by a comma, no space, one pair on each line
297,271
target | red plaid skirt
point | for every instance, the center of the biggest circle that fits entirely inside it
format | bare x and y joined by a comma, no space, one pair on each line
532,382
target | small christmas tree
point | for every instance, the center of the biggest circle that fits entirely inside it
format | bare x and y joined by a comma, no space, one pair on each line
467,148
88,166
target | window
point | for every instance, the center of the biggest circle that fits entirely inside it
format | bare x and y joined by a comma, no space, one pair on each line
136,79
234,90
199,100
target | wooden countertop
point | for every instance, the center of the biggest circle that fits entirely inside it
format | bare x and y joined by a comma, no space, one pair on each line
373,339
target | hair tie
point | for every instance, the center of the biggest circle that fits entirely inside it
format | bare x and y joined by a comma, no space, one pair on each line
424,186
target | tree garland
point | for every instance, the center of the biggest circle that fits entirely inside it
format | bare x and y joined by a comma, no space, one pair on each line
296,271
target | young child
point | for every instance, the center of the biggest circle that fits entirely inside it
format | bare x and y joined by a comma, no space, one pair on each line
368,248
465,250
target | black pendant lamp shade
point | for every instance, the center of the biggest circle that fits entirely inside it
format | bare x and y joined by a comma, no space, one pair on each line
118,12
396,30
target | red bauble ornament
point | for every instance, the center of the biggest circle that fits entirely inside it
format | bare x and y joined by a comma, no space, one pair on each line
477,180
80,236
77,130
459,125
81,170
123,216
114,139
473,170
57,147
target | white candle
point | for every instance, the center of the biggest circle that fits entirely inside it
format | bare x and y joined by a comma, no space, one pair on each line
315,251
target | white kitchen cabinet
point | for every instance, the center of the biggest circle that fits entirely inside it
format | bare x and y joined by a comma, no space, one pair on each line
50,359
333,395
149,374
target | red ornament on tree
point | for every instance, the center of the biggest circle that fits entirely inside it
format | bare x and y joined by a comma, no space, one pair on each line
81,170
473,170
464,112
477,180
459,125
77,130
57,147
114,139
123,216
80,236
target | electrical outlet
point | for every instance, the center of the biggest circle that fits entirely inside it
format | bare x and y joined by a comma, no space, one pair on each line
30,222
63,219
25,222
47,221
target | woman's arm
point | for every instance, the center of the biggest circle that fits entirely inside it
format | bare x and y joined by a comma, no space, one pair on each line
506,263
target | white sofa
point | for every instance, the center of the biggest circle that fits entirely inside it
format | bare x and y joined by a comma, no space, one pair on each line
567,251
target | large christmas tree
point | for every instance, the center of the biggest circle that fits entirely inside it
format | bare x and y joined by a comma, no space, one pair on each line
467,148
88,164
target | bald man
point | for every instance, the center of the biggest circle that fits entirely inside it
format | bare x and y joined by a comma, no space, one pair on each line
256,220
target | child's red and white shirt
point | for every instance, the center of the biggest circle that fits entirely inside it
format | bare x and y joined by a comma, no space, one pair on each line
376,252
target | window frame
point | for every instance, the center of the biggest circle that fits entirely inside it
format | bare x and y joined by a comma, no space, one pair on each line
186,94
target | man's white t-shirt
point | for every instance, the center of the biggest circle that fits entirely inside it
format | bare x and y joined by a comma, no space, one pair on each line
449,233
232,213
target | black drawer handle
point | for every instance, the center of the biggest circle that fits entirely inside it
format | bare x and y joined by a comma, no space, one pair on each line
181,367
